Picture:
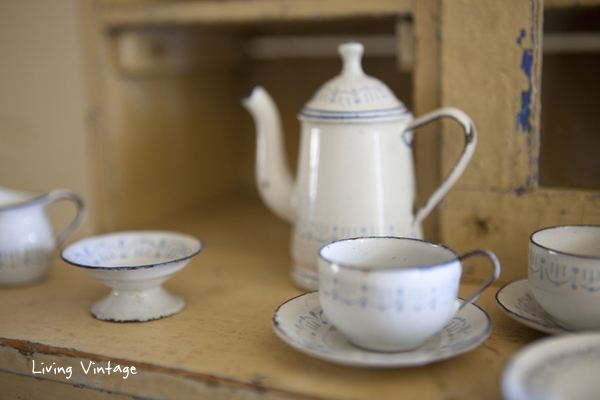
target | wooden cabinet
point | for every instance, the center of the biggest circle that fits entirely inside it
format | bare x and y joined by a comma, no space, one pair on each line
172,149
171,137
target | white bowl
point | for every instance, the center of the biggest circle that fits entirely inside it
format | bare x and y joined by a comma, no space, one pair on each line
134,264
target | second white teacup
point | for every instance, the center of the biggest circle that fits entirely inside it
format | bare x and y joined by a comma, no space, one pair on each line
564,274
392,294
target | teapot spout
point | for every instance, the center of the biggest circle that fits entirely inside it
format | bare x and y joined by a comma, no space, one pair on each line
273,177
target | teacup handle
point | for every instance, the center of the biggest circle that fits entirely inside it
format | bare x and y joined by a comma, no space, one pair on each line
470,142
64,194
492,257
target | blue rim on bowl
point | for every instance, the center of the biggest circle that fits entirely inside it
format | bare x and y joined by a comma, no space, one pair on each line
112,247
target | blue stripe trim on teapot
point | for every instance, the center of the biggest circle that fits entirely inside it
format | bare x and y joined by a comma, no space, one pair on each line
396,112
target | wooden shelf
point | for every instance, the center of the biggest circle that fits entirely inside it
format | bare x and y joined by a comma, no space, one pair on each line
122,14
222,344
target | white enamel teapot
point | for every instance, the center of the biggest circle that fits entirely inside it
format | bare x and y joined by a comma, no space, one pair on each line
355,173
27,239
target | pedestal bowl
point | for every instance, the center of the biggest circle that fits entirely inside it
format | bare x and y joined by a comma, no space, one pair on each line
134,264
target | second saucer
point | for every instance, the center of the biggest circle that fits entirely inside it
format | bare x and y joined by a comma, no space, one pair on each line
516,300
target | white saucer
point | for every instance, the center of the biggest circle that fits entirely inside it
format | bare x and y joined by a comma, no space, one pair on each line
555,367
516,300
301,323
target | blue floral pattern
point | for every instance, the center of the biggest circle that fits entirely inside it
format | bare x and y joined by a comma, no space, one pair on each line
516,300
351,293
558,273
528,306
326,233
121,250
350,97
312,324
15,258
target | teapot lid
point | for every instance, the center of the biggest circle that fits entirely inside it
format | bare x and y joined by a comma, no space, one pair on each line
353,95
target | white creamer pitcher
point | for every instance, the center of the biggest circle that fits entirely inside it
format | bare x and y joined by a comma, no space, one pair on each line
355,173
27,239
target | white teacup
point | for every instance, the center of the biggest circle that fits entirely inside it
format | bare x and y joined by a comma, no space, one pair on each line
564,274
390,293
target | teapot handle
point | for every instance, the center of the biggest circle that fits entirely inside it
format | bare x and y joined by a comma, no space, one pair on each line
470,142
64,194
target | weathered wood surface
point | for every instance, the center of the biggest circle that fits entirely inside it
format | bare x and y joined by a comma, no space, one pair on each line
12,389
491,69
427,97
222,344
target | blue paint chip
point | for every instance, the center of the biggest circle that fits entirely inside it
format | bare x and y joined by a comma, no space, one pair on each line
523,115
521,37
520,191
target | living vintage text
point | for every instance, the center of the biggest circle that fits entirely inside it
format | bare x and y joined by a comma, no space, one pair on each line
90,368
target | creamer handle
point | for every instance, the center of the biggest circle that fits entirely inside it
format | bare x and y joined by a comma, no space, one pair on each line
470,143
64,194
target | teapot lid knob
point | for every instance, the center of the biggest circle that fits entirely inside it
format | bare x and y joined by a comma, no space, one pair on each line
351,53
353,96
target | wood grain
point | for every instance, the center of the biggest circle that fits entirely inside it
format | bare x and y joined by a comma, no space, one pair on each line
222,343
